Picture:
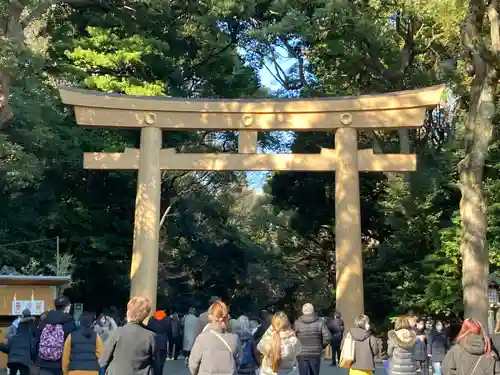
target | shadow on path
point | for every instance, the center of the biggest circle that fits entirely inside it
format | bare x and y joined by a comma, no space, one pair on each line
178,368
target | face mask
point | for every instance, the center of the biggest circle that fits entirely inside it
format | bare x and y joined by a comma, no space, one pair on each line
367,326
420,326
439,328
67,309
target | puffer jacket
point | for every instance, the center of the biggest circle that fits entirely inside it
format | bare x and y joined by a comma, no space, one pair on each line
365,349
290,349
400,350
313,335
467,357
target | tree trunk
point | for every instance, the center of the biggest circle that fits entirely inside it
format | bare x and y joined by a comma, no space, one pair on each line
478,135
5,110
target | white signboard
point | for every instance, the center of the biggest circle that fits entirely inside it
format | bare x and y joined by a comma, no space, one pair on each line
35,306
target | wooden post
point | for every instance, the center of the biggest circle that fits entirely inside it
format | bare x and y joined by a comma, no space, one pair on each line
349,272
144,269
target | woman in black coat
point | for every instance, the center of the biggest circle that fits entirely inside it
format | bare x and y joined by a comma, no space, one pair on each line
437,346
21,347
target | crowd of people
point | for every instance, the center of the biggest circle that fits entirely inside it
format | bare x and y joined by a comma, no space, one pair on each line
213,343
415,347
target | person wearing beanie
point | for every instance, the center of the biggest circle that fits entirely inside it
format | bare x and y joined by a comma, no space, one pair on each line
314,336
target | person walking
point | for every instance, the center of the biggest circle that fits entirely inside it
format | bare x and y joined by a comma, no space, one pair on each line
279,347
250,358
437,346
160,325
365,347
131,350
21,347
215,351
175,340
420,349
51,335
400,348
314,336
105,326
472,354
82,349
190,324
336,328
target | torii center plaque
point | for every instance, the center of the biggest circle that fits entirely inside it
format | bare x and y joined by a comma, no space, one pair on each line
344,115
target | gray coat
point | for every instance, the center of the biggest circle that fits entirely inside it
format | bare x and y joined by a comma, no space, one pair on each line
212,356
467,357
400,350
365,349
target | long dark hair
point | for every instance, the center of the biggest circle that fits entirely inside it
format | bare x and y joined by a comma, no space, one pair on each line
86,320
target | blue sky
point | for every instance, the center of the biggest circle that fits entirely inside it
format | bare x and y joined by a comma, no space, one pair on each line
256,180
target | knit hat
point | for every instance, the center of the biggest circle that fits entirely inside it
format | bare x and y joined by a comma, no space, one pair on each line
308,309
26,313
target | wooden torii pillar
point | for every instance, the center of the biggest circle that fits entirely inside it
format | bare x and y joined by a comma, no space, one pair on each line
404,109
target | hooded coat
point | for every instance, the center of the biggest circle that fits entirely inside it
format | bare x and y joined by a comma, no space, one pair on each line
313,335
400,350
466,354
365,349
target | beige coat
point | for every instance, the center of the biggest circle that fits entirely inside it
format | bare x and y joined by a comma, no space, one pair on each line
215,352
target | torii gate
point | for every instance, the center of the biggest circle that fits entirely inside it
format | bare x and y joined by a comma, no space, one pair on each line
405,109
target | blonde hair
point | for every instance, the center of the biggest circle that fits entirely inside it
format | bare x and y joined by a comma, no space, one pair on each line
218,313
361,321
138,309
402,322
279,324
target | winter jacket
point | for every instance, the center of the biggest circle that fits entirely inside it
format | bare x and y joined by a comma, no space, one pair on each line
365,349
202,322
21,348
176,328
161,327
54,317
81,352
437,346
400,350
290,349
261,329
420,348
131,350
466,354
247,339
312,334
336,328
190,325
215,352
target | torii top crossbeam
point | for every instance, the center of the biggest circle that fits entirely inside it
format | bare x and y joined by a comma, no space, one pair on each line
404,109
